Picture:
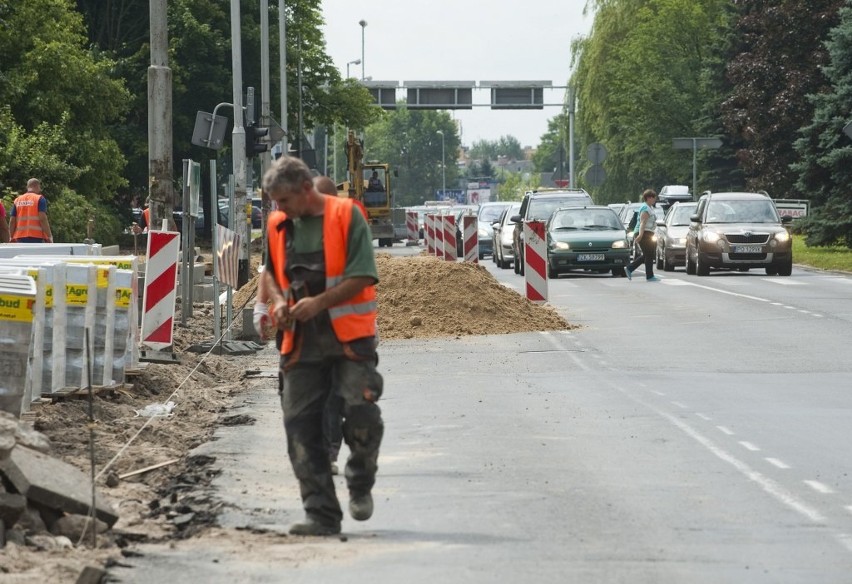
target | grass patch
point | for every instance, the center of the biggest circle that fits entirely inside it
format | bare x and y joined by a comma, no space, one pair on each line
835,257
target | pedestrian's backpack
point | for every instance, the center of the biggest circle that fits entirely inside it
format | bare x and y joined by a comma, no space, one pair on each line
632,225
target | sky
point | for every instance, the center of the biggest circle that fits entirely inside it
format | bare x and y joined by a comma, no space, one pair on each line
463,40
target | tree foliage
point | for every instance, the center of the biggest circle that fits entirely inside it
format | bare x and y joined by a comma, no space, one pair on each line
824,169
409,141
506,145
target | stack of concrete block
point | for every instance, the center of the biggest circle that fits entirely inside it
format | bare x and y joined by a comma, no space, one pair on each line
43,500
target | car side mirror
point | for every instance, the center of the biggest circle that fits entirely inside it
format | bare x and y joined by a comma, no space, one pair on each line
495,225
695,219
515,219
661,223
786,219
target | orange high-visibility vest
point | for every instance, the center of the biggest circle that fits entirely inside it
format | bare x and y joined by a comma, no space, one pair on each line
146,216
352,319
26,210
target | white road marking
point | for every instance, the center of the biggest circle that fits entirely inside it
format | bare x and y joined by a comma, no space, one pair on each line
805,311
705,418
789,307
680,405
778,463
785,281
749,446
725,430
820,487
561,347
675,282
659,393
720,291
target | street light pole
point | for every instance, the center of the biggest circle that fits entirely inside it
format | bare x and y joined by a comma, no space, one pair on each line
363,24
355,62
443,166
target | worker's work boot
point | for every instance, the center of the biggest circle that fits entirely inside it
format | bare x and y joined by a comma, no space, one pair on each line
311,526
360,506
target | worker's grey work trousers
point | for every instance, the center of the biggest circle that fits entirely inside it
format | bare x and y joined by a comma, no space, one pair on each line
305,388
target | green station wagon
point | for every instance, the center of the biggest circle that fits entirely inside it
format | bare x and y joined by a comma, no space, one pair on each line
587,238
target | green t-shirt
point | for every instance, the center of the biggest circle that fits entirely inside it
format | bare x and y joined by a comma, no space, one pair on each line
360,261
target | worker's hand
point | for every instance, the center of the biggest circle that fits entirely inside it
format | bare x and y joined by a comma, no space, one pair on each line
262,320
135,229
306,308
281,314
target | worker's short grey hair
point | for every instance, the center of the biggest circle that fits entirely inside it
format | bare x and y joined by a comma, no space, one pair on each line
287,173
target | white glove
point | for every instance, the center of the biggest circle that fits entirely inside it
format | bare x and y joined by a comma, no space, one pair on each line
262,321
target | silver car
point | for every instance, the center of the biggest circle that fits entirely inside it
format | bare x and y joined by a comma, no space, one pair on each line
671,236
503,228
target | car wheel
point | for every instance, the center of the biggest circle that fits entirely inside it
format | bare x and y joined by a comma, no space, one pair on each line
659,259
521,265
668,265
690,266
701,267
516,264
786,268
551,273
618,272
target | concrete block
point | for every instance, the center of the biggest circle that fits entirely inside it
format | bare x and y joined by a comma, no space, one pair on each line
198,273
12,507
110,250
53,483
202,293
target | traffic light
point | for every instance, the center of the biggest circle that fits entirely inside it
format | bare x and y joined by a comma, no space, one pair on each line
254,140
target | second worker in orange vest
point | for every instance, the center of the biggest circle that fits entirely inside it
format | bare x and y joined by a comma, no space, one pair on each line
321,276
29,216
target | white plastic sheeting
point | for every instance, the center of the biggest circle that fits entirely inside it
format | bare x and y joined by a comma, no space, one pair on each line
10,250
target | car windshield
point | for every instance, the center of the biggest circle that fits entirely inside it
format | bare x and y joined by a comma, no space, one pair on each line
490,213
541,209
513,210
681,214
749,211
589,219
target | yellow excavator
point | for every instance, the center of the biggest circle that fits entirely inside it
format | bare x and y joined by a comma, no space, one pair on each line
370,184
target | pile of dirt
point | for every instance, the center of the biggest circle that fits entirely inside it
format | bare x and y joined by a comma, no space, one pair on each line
424,297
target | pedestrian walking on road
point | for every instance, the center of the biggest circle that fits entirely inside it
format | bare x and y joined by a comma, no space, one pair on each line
29,216
321,276
644,236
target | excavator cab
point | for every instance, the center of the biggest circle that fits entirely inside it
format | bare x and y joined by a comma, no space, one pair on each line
376,186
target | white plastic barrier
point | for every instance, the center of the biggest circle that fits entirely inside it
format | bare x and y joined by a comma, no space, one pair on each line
126,327
48,358
17,295
128,262
80,301
10,250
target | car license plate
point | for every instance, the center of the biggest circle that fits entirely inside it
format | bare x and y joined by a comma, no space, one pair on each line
748,249
590,257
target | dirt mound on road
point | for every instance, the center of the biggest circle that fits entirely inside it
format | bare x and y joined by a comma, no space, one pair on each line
423,297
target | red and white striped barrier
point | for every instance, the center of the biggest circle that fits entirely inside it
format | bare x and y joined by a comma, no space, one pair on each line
535,261
227,256
450,251
429,233
438,226
470,238
411,225
160,289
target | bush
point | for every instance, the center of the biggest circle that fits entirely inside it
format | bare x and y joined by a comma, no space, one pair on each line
69,216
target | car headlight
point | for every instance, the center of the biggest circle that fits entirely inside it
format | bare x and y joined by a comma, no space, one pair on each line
559,245
782,237
620,244
711,236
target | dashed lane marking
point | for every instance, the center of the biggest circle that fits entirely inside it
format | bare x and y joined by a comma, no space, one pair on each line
749,446
704,417
778,463
725,430
820,487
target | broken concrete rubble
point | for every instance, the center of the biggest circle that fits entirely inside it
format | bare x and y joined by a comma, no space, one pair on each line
40,493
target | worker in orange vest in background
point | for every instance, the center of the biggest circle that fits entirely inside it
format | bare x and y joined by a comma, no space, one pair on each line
145,219
29,216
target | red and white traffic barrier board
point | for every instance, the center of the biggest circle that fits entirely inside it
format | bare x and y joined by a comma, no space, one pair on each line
535,261
471,241
429,233
411,225
160,289
438,224
450,251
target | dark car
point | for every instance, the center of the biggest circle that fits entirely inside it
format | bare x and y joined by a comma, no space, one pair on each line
224,214
586,238
671,236
537,206
738,231
487,214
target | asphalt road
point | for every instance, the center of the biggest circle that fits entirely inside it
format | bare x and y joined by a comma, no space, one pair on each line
695,430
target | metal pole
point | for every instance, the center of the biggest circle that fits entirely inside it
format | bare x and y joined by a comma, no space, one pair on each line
186,263
443,167
694,167
239,141
282,65
571,182
363,24
334,152
214,205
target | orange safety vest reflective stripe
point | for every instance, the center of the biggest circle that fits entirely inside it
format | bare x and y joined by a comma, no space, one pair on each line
146,216
26,210
352,319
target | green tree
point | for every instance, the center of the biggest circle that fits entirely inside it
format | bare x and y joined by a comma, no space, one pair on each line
490,149
409,141
777,64
825,167
60,104
551,154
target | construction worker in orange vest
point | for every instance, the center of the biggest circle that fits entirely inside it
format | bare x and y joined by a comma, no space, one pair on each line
320,277
29,216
